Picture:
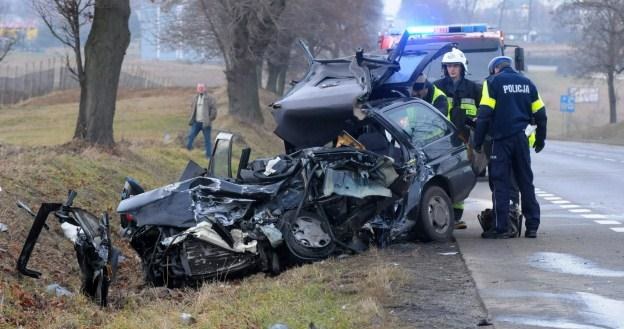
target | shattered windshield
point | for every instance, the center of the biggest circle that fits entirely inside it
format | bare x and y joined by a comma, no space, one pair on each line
421,123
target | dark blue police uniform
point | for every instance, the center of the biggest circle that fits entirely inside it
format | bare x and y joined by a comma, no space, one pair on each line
508,103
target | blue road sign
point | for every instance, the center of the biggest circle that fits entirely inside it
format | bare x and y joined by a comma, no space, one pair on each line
566,103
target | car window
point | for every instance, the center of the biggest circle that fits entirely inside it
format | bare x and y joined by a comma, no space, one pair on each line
420,122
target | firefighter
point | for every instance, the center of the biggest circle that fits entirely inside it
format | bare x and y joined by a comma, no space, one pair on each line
510,102
463,96
431,94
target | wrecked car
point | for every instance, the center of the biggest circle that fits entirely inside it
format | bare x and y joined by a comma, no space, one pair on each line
362,163
275,212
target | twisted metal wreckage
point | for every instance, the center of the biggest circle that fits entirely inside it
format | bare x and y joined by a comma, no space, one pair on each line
335,190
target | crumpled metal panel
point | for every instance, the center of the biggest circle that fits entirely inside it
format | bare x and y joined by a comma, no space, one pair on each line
205,232
361,183
348,183
172,205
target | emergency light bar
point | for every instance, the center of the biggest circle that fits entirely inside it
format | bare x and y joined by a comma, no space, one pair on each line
435,29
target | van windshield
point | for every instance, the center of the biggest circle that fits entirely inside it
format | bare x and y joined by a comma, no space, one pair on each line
478,60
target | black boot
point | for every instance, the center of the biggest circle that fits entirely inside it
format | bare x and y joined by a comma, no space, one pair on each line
493,234
459,224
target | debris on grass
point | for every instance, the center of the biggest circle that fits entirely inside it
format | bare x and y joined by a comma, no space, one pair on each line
58,290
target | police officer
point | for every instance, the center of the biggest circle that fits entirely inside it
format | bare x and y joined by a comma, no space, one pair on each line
509,102
431,94
463,97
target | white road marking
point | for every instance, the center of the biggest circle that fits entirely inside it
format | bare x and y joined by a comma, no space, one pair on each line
551,198
594,216
568,206
544,194
560,201
581,155
579,210
593,157
618,229
609,159
607,222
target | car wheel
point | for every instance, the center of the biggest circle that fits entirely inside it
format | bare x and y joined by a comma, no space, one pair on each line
435,222
308,236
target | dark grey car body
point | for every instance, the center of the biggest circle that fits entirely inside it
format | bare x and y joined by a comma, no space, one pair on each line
363,93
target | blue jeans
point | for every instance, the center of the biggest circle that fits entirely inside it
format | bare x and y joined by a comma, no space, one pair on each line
196,127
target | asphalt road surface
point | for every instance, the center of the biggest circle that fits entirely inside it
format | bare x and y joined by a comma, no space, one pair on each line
572,275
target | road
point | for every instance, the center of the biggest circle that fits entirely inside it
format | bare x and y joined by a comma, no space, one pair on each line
572,275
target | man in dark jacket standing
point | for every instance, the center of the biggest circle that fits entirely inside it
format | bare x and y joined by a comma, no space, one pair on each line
510,102
204,111
463,96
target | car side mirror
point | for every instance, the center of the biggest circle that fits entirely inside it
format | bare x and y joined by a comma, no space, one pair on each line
519,58
220,165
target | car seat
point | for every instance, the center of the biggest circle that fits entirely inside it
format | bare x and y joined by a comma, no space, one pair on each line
375,141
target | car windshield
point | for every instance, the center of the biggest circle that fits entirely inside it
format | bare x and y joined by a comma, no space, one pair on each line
478,61
408,63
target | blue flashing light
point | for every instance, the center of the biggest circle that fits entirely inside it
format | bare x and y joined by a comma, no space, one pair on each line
463,28
420,29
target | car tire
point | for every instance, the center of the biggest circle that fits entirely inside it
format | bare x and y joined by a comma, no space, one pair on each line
296,232
435,218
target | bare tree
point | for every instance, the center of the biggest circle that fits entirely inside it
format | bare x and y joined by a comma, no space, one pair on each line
65,19
332,28
104,53
464,10
241,31
97,72
6,41
599,47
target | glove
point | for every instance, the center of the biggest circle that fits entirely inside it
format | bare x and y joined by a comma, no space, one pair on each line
539,145
472,123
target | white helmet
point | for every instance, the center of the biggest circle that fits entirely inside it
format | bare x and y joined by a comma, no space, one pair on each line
455,56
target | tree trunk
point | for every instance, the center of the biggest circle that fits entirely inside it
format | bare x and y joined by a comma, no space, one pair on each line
104,54
80,132
273,72
612,97
281,81
242,90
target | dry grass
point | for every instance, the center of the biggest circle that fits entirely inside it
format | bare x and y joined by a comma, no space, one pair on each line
590,117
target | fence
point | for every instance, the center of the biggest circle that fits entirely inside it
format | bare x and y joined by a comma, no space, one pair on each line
18,83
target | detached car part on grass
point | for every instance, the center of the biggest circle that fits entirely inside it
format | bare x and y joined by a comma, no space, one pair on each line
91,238
277,212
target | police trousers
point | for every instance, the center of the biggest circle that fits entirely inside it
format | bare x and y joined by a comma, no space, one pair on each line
511,156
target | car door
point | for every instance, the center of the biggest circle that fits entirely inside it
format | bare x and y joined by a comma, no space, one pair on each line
430,132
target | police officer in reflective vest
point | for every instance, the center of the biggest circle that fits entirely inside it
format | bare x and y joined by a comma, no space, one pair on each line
463,97
509,102
431,94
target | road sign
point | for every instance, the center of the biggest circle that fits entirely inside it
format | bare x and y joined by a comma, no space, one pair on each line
566,103
584,94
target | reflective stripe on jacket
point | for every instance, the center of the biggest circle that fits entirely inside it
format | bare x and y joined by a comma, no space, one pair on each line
509,102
